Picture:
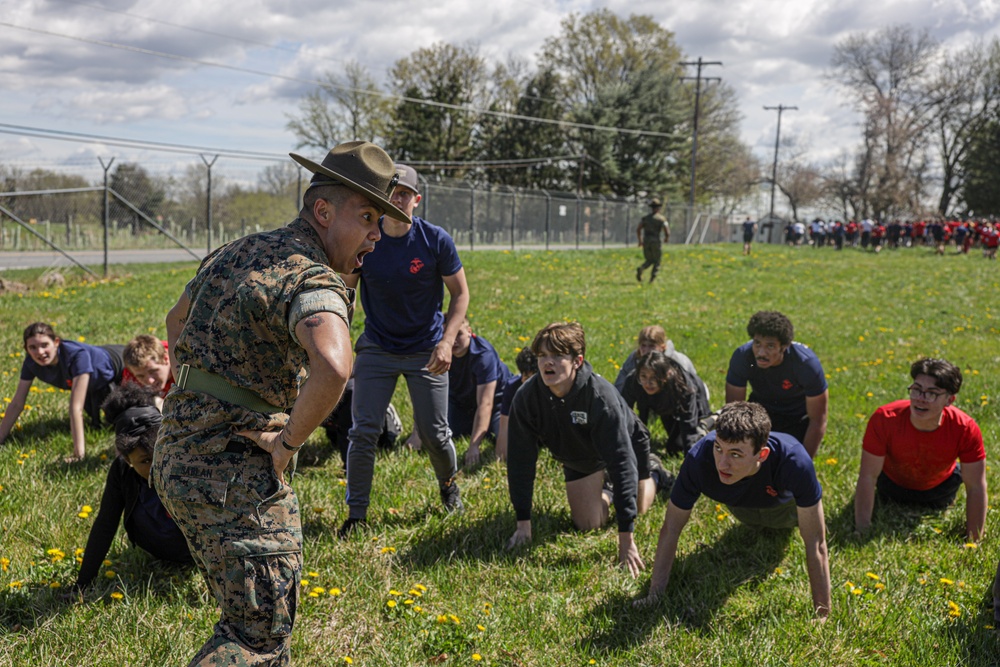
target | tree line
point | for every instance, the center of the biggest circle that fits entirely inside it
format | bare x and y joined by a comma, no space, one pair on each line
605,111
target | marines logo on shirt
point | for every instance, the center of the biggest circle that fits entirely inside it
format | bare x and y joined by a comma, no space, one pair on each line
415,265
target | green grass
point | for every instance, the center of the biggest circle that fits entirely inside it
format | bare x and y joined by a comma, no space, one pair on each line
737,596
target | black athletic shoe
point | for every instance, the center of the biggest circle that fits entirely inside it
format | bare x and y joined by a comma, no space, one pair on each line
349,526
638,275
451,496
664,480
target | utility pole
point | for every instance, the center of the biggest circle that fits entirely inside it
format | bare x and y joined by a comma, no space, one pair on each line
698,78
774,167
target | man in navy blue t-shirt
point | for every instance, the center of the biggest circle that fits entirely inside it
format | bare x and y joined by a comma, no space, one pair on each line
786,378
764,478
402,292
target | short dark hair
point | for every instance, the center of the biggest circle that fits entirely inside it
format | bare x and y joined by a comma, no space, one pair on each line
946,375
527,362
670,375
561,338
771,324
741,421
124,397
38,329
332,192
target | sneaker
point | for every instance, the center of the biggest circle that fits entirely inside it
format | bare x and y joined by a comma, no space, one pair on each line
349,527
664,480
451,496
638,275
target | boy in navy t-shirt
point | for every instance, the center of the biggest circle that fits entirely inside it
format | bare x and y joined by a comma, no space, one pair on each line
764,478
786,378
475,390
402,292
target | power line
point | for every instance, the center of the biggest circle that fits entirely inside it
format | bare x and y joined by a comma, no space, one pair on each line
377,93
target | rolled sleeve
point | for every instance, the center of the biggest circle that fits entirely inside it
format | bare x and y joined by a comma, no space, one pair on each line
316,301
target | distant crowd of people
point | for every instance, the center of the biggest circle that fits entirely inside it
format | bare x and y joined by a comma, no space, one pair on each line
873,235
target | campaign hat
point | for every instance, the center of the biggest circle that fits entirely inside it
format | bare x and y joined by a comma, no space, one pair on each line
361,166
655,202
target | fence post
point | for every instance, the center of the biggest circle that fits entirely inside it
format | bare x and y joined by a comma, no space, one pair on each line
472,216
208,200
107,211
548,216
604,219
579,206
513,214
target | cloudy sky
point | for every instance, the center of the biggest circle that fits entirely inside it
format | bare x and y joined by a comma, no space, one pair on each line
86,67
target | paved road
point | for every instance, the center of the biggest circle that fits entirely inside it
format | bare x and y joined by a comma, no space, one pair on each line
92,259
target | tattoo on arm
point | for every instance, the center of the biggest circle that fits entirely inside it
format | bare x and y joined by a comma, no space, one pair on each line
313,321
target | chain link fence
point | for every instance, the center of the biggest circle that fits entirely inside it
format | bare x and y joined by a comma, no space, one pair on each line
146,210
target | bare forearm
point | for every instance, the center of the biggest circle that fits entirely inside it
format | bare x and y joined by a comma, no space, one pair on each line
481,423
814,436
818,565
315,402
13,411
77,431
975,513
864,502
663,562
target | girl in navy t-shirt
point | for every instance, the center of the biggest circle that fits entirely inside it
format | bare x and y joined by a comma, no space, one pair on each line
88,371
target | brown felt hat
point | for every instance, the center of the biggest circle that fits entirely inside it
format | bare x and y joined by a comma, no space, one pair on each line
361,166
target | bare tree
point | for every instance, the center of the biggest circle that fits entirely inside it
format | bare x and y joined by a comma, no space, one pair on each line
967,89
888,73
344,107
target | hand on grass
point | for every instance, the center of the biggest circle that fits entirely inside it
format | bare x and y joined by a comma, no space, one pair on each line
521,536
628,555
472,456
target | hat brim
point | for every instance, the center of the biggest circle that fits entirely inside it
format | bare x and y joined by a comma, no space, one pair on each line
379,197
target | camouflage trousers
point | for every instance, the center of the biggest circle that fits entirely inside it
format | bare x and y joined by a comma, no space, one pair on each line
244,531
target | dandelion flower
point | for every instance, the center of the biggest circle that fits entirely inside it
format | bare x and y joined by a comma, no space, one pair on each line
477,657
971,545
87,508
55,584
481,628
314,594
831,461
856,591
335,592
117,596
388,550
347,660
442,618
418,609
872,575
4,564
312,574
319,590
390,604
414,592
304,583
393,591
879,586
106,563
421,587
946,582
953,609
408,601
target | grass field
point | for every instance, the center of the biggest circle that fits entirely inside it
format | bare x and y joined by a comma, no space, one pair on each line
913,593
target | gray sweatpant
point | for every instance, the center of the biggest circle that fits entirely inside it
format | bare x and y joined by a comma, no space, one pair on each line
375,375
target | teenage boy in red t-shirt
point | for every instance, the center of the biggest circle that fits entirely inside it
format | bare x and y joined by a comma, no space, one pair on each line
147,364
910,448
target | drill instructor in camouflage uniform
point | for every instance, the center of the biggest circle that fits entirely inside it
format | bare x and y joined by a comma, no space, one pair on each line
263,314
648,231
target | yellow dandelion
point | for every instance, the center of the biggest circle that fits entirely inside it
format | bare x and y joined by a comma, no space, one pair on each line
79,338
312,574
971,545
442,618
78,551
421,587
318,510
116,596
110,574
106,563
922,581
856,591
418,609
390,604
879,586
319,590
481,628
869,394
408,601
87,508
304,583
55,584
946,582
388,550
314,595
477,657
393,591
335,592
872,575
415,592
14,585
953,609
347,660
4,564
831,461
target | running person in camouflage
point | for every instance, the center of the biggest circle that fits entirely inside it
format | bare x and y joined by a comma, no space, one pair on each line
262,315
648,232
